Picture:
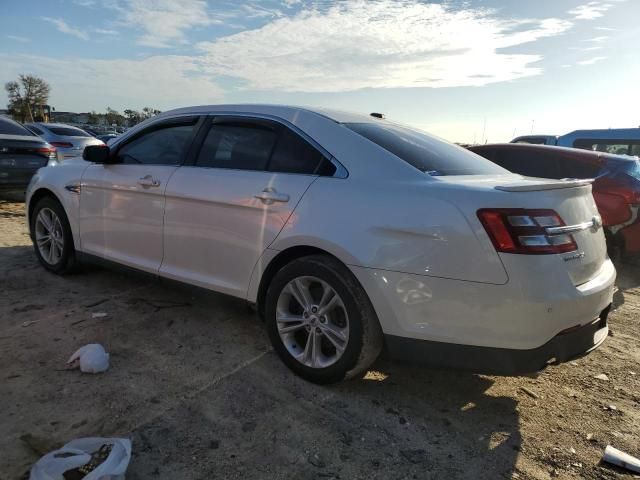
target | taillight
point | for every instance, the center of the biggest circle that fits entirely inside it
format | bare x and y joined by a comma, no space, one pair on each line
62,144
524,231
49,152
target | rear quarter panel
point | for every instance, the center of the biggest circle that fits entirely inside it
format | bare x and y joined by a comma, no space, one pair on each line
394,225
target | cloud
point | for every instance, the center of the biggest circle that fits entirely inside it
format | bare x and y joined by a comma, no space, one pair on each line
163,22
591,61
18,38
64,27
384,43
104,31
86,84
597,39
590,11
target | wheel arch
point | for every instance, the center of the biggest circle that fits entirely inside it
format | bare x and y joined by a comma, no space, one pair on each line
281,259
35,197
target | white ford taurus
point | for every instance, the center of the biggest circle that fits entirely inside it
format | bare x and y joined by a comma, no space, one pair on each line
350,233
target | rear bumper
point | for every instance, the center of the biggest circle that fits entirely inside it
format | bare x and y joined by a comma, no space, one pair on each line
563,347
631,237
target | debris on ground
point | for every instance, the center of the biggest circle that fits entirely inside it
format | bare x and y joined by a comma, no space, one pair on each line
98,314
87,458
529,392
601,376
91,358
621,459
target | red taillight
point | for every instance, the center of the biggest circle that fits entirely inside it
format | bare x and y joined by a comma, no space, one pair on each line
62,144
49,152
524,231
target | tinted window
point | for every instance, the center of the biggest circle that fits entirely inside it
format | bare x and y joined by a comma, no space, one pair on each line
9,127
529,163
161,146
426,153
618,147
35,130
241,146
533,140
69,131
574,168
294,155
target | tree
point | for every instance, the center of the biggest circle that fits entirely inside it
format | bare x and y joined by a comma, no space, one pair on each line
27,95
113,116
93,117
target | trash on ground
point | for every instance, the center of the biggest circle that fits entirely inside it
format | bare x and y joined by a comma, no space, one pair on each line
91,358
28,323
87,458
99,315
531,393
621,459
602,376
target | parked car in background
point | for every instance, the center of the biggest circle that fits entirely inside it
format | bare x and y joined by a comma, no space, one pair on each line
616,188
349,232
69,141
106,138
21,154
620,141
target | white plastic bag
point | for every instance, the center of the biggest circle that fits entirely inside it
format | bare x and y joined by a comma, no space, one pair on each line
78,452
92,358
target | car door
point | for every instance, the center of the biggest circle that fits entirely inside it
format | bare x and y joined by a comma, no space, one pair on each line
122,204
230,204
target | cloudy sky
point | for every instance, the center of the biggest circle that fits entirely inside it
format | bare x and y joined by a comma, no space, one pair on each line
470,70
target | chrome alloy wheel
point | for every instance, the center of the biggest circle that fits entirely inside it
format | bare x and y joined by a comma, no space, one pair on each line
49,236
312,322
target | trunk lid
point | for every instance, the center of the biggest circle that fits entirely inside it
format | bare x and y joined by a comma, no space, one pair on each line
571,200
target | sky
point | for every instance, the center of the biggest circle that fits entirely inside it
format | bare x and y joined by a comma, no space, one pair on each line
469,71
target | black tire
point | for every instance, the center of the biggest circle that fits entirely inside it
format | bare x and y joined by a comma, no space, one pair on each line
67,260
365,335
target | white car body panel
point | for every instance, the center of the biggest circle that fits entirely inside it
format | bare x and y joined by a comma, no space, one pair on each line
120,219
215,229
414,241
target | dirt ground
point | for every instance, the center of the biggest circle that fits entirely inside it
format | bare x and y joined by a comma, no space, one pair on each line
194,383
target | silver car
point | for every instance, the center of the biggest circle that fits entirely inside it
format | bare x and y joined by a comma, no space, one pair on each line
69,141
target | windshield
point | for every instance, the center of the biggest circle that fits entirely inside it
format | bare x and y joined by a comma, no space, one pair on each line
69,131
9,127
428,154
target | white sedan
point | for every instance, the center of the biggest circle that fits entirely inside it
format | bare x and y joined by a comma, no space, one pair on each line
350,233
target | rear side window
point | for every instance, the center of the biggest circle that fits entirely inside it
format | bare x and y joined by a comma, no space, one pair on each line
35,130
618,147
294,155
239,146
426,153
69,132
160,146
9,127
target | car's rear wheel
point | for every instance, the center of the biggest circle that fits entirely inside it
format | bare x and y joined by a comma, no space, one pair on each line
51,235
320,320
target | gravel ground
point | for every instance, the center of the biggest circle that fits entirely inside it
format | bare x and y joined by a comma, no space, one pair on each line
194,382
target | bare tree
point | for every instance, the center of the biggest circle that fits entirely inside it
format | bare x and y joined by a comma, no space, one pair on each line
27,95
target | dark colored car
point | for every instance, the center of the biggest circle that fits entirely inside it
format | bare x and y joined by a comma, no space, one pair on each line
21,154
616,188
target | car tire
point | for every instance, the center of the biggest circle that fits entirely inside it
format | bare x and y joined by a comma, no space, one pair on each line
63,258
349,337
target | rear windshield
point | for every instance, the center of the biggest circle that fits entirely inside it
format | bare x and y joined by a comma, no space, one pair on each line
9,127
428,154
69,131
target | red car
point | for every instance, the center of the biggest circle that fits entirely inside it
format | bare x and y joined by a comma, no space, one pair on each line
616,188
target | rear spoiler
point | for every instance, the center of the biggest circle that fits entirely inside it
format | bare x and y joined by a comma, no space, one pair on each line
544,184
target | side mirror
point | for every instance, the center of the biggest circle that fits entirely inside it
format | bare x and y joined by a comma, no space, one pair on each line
98,154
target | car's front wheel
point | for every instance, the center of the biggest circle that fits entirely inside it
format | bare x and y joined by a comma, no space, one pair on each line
320,320
51,235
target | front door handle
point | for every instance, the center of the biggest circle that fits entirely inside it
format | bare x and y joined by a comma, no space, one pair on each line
148,181
270,195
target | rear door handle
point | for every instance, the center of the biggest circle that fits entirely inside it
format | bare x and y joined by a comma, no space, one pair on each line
148,181
270,195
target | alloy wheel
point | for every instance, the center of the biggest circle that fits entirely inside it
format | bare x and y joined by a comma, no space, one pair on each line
49,236
312,322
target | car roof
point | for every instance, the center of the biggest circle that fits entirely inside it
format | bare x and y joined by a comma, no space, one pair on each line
282,111
564,151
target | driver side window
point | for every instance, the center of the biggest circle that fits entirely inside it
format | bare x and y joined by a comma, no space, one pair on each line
165,145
